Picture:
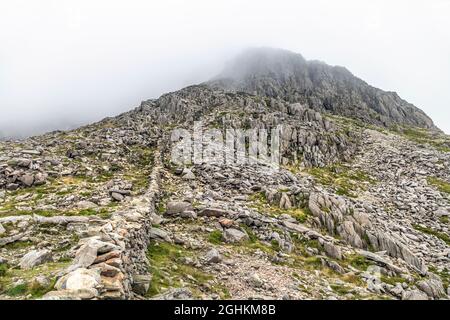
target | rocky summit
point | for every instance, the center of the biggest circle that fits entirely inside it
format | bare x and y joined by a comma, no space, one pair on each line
357,207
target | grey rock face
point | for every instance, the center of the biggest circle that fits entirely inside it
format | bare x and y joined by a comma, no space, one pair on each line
432,287
283,74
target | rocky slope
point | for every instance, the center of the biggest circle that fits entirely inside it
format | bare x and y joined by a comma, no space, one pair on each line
356,211
279,73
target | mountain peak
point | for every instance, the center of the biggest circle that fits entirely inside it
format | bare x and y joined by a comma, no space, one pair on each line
287,75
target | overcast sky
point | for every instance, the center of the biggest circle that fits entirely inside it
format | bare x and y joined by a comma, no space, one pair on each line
63,63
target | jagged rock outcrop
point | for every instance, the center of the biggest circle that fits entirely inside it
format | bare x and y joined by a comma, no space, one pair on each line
283,74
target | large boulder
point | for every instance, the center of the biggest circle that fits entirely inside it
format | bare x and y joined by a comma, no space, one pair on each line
233,235
35,258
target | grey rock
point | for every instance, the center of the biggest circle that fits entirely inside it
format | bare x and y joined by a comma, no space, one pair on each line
141,283
414,295
177,207
213,256
213,212
35,258
233,235
432,287
117,196
84,282
156,233
86,205
40,178
188,174
255,281
332,251
27,180
188,214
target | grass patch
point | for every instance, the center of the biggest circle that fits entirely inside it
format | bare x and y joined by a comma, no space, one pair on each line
3,269
439,141
215,237
18,290
345,181
392,280
168,271
440,235
444,219
341,289
29,287
358,262
18,245
441,185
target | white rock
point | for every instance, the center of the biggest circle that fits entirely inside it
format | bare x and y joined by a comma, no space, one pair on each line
81,280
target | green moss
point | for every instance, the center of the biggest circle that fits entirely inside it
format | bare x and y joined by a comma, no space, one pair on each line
440,235
215,237
441,185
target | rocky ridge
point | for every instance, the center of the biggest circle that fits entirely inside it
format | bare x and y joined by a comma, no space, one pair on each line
287,75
